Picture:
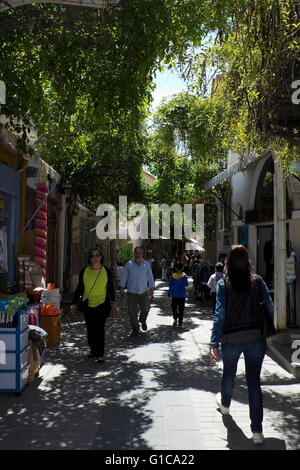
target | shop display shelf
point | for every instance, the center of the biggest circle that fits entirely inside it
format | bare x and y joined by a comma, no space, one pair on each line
14,355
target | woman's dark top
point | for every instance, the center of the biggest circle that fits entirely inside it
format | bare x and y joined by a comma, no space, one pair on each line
110,290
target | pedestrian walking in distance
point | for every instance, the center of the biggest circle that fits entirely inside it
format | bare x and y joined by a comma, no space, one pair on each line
138,278
213,281
164,268
177,290
96,286
238,324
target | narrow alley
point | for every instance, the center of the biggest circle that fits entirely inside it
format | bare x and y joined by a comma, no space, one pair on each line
154,392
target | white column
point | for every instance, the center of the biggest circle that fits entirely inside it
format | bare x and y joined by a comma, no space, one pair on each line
279,246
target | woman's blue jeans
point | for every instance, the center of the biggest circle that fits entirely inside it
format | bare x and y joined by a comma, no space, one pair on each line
254,352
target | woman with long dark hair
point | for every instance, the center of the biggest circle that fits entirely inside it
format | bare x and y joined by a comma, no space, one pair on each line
238,324
96,286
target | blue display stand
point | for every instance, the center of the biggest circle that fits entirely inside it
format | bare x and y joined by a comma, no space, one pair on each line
14,355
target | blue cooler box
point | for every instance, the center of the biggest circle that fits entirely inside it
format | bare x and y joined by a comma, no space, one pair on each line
14,348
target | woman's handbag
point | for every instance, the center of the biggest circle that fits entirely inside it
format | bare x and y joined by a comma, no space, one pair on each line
268,324
268,328
83,304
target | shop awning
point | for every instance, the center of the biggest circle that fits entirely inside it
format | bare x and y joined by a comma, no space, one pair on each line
192,244
240,165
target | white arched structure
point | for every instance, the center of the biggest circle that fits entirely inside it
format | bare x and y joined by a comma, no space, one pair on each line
9,4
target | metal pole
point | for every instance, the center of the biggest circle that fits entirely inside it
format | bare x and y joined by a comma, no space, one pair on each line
35,213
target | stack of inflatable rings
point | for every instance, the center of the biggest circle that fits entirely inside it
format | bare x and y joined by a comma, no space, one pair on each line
41,228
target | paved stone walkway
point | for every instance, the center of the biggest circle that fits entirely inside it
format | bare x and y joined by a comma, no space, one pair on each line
154,392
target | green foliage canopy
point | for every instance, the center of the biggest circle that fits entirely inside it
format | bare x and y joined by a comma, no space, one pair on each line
256,52
82,78
188,144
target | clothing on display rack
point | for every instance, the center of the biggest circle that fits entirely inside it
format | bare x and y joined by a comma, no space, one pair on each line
291,261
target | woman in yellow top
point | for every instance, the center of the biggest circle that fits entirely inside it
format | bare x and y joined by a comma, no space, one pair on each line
96,284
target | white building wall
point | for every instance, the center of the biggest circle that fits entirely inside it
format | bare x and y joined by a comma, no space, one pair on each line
294,231
244,186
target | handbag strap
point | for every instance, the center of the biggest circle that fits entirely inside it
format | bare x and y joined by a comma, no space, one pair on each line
94,282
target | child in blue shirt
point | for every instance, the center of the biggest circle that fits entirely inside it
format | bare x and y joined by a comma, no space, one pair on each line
177,290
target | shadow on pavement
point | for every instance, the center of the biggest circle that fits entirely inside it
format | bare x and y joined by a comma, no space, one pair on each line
237,440
79,404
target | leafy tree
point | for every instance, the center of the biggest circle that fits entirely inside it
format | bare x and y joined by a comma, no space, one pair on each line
256,49
188,144
97,68
253,52
77,78
126,253
83,82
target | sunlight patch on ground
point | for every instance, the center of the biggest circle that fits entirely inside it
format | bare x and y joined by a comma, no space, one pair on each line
149,354
154,310
102,374
196,321
292,390
269,368
188,352
96,401
162,292
134,397
165,321
148,378
74,323
49,372
159,283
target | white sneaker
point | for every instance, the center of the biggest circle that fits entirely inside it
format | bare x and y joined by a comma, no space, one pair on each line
223,408
258,438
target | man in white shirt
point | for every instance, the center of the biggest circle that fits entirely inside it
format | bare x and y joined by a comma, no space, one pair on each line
138,278
213,281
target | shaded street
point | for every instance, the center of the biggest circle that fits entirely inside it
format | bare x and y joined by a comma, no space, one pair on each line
154,392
